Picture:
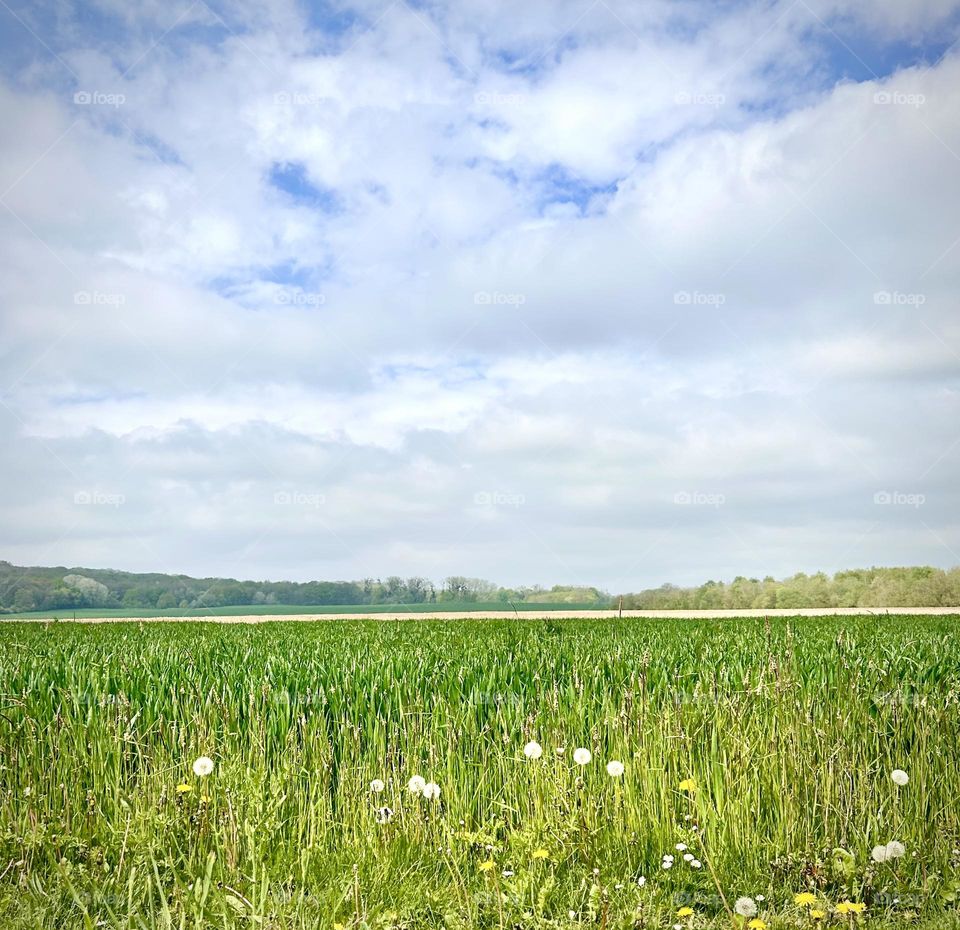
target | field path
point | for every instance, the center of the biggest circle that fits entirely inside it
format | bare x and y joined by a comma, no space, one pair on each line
522,615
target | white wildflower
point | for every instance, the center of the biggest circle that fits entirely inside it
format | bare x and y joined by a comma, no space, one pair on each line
202,766
895,849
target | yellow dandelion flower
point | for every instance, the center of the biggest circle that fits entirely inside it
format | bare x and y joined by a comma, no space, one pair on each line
805,899
685,912
541,854
850,907
184,788
688,784
757,924
487,865
204,798
817,914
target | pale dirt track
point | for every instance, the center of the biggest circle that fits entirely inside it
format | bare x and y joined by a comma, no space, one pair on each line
525,615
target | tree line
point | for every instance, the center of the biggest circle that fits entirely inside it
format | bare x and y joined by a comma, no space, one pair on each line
24,589
920,586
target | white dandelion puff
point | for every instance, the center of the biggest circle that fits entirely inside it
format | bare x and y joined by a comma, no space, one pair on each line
614,768
900,777
895,849
431,791
879,854
582,756
202,766
377,785
745,907
533,750
696,864
417,784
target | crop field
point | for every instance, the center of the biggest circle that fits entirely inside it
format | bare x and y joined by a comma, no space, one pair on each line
750,773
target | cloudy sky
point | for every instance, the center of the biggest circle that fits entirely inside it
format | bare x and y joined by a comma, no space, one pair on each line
608,292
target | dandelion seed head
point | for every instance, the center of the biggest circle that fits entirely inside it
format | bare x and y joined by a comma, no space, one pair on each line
431,791
533,750
745,907
417,784
582,756
377,785
614,768
900,777
202,766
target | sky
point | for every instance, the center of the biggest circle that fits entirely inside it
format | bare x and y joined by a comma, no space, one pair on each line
600,292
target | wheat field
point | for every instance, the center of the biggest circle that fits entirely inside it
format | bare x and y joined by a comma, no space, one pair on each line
782,772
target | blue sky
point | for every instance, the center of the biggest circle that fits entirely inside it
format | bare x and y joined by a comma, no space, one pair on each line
582,292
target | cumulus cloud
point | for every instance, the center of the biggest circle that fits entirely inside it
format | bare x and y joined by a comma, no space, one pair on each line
608,294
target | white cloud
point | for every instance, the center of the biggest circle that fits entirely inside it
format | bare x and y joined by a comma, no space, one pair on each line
551,294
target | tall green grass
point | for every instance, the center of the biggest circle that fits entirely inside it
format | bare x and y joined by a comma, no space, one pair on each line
789,728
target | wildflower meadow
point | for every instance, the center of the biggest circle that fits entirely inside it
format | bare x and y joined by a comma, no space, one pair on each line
750,773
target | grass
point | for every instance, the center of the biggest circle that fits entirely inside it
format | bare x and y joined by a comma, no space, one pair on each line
789,729
270,610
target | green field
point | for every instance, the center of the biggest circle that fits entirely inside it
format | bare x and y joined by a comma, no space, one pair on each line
765,748
279,610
